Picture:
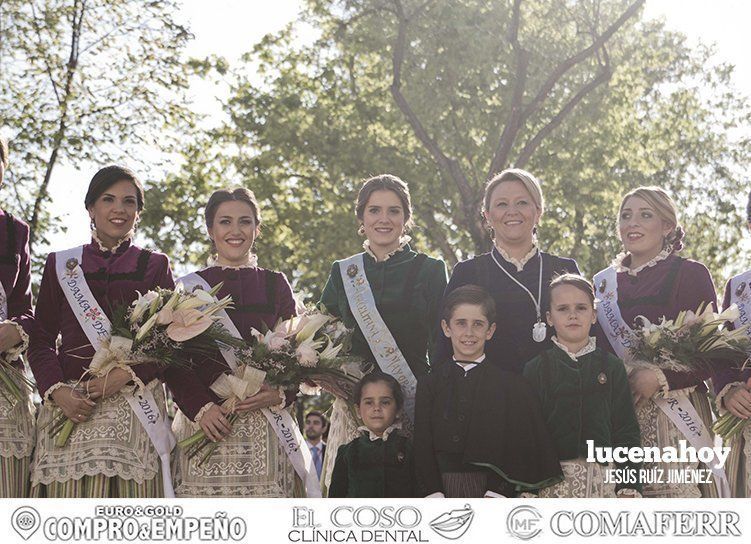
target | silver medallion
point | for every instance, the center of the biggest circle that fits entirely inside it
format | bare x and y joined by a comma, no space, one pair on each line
539,332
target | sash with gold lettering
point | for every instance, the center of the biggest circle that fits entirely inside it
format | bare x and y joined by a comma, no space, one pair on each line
96,325
376,333
678,407
284,426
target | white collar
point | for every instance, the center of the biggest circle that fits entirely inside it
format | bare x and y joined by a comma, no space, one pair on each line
318,446
373,437
518,263
589,348
252,262
403,241
620,267
104,248
470,366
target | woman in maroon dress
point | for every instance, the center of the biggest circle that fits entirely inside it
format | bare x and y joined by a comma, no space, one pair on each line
16,416
249,460
650,279
109,453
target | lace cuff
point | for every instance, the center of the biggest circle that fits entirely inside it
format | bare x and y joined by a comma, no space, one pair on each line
135,379
436,495
283,401
202,412
528,495
628,492
719,399
48,394
15,352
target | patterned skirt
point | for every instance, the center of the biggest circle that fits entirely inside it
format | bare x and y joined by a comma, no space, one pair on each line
738,465
580,480
250,462
111,455
658,431
17,435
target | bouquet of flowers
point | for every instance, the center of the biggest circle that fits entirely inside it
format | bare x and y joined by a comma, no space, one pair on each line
690,342
165,327
14,385
728,425
305,351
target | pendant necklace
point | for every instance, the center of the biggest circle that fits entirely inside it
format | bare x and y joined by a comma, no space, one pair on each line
539,329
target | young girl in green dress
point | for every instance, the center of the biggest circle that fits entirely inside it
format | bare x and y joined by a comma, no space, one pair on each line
380,462
585,396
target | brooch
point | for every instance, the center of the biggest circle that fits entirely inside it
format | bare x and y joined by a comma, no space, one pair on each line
602,378
352,270
400,457
740,289
602,286
71,263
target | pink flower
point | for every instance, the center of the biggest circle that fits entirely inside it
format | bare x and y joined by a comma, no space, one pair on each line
187,324
164,316
306,354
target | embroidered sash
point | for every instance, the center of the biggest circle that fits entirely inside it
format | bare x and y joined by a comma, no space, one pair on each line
376,333
97,327
284,426
678,408
740,295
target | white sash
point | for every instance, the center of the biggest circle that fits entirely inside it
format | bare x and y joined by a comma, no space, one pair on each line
376,333
3,303
740,295
678,408
284,426
97,327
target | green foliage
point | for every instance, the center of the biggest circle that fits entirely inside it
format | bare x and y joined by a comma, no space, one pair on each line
87,81
445,93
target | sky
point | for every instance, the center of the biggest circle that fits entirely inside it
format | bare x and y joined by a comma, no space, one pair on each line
229,28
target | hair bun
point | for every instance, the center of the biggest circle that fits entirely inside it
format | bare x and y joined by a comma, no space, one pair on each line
676,239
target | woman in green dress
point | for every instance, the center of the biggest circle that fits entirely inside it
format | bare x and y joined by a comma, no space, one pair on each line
396,294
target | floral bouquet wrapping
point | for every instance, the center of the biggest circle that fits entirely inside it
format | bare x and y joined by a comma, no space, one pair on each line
305,352
728,425
164,327
692,342
308,352
14,385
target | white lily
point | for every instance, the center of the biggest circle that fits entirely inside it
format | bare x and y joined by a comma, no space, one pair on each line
330,352
196,299
315,322
146,327
730,314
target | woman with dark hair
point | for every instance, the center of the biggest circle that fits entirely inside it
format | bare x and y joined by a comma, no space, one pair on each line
516,272
111,451
16,416
733,384
390,294
250,460
650,279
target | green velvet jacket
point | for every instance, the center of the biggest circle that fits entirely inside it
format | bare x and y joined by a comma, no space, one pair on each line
374,469
587,399
407,288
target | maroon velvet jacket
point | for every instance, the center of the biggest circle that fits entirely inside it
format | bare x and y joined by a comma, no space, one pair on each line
261,297
15,269
665,289
113,279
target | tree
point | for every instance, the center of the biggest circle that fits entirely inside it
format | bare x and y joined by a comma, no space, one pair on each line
585,94
87,81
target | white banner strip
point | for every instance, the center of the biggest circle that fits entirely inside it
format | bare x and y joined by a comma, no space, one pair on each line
376,333
684,416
